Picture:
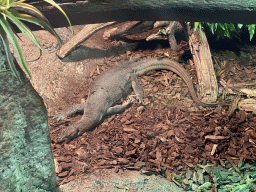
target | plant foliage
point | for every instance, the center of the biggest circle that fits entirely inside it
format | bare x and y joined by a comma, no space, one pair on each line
226,29
15,12
210,177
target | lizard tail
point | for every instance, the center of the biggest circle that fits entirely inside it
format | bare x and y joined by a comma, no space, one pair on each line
143,66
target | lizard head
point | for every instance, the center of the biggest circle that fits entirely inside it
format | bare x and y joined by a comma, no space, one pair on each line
68,133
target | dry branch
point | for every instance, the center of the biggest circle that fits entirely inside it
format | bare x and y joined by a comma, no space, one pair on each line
121,30
84,34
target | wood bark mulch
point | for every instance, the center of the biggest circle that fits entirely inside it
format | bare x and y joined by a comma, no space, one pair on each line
153,140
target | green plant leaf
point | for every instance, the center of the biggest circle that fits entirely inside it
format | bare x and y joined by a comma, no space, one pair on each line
196,24
222,26
8,53
58,7
9,32
41,23
3,4
9,9
33,11
231,27
212,28
23,28
19,6
226,31
251,29
239,25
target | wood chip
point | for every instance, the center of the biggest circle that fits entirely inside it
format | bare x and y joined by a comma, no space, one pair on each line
214,148
129,129
63,174
214,137
117,150
123,161
170,133
140,108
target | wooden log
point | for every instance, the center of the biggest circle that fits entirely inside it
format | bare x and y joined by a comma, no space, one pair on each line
85,12
199,47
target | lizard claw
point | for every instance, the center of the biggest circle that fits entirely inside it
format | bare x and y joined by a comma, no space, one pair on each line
58,116
130,100
140,99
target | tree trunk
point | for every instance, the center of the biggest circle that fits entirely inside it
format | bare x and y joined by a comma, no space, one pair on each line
26,162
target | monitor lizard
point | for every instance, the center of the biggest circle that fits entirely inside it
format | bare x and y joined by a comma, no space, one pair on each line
114,84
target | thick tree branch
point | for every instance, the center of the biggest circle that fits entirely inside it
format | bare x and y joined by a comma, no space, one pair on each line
98,11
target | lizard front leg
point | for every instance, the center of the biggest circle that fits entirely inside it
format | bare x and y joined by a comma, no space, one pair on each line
70,111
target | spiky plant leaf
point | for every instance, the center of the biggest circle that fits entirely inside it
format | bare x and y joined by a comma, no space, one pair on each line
251,29
23,28
17,11
8,53
58,7
36,21
9,32
24,7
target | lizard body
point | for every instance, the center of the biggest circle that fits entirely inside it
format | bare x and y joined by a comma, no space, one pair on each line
115,84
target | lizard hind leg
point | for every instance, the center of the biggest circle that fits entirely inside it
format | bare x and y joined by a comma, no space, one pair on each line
137,88
120,108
